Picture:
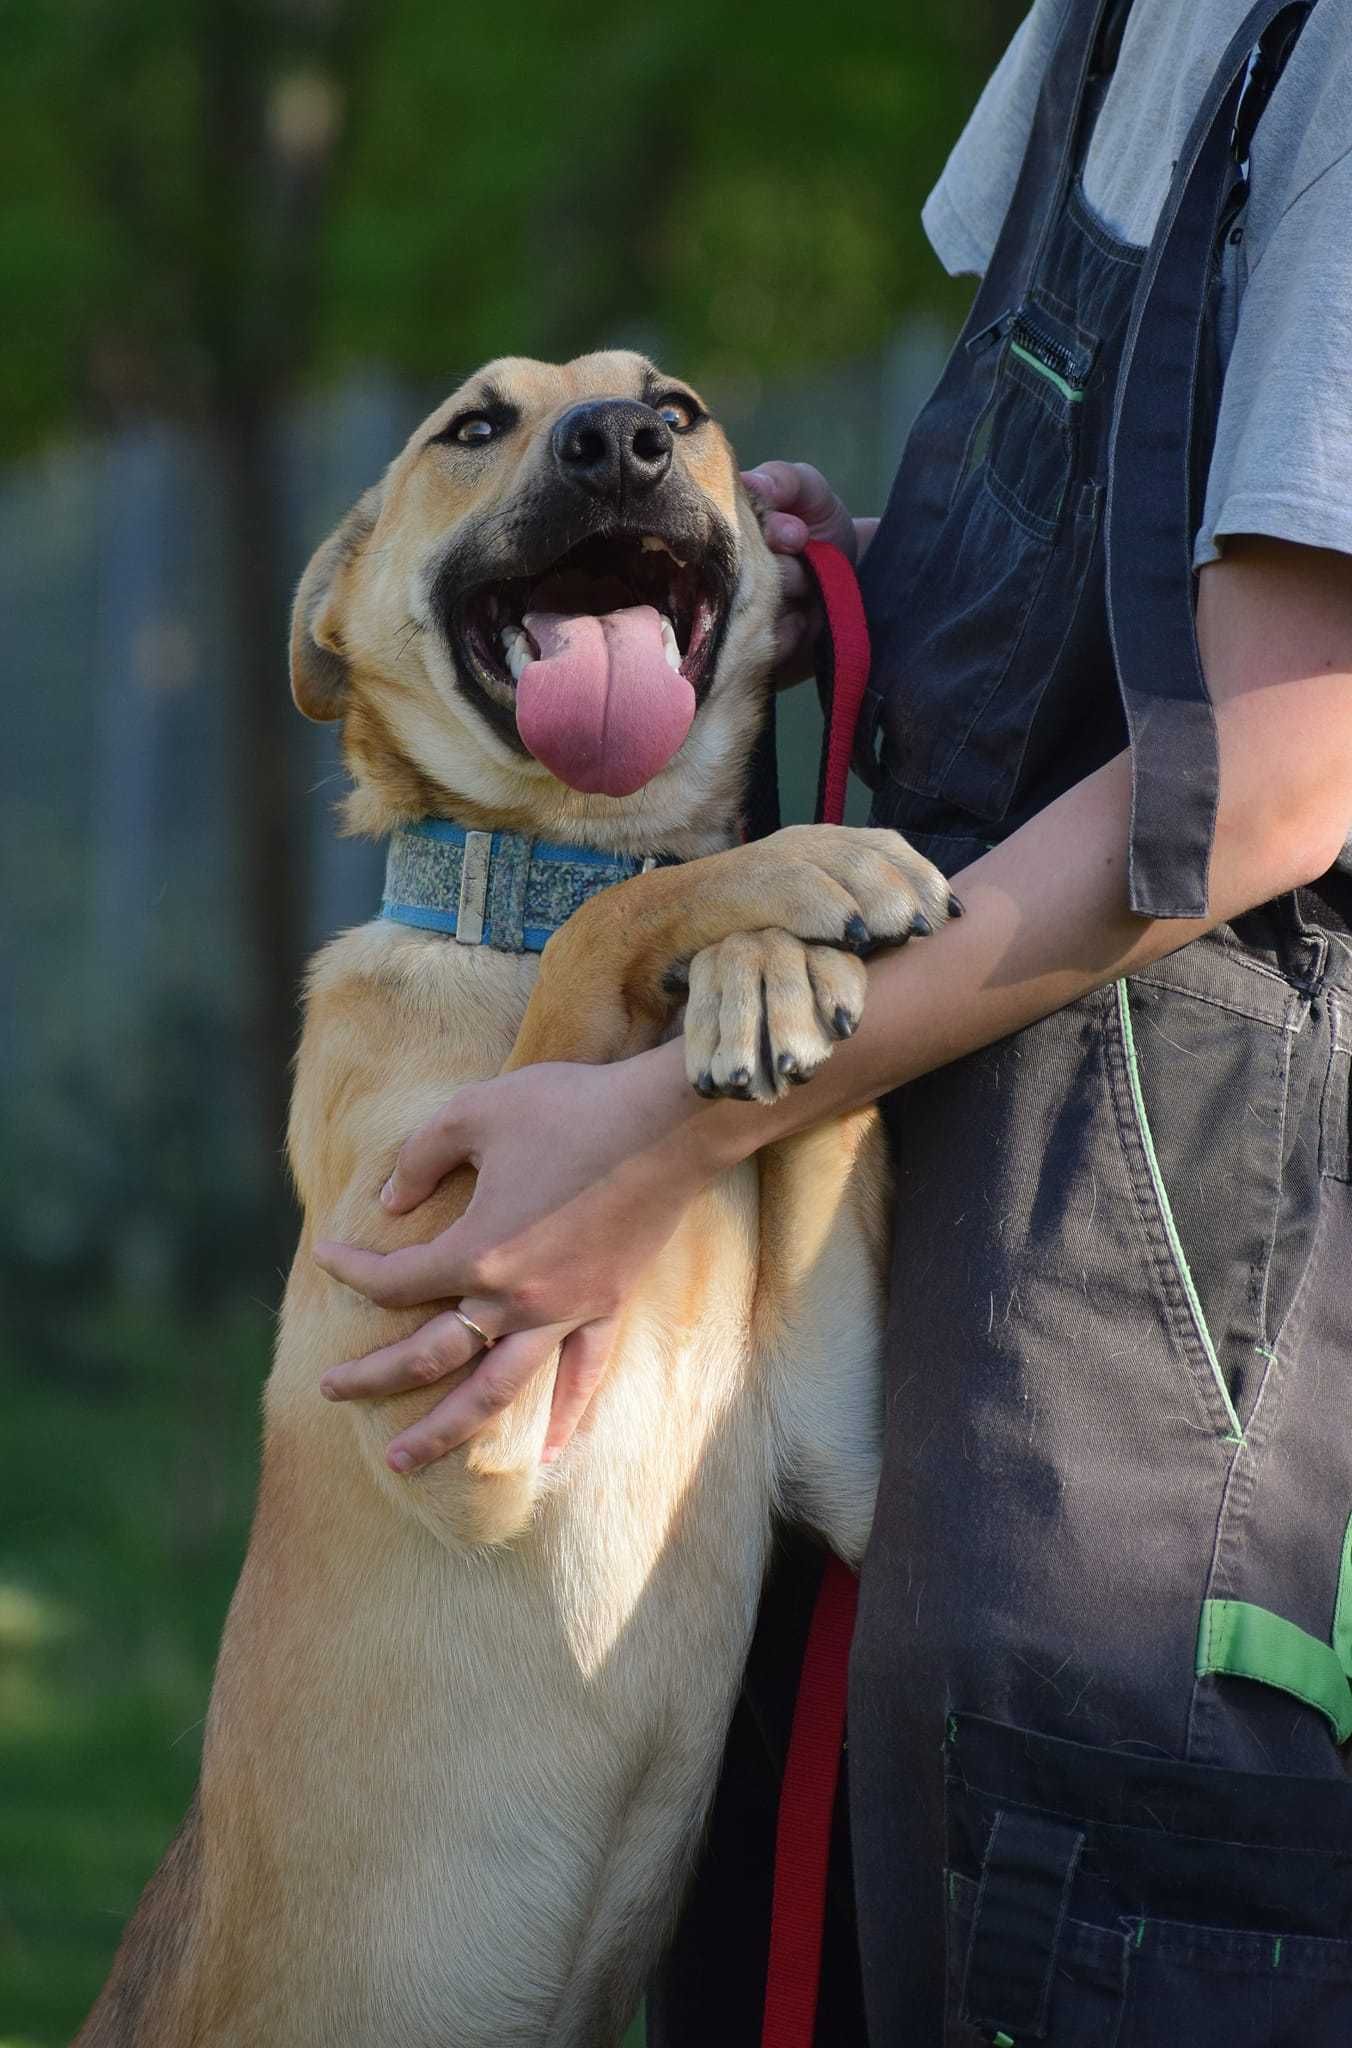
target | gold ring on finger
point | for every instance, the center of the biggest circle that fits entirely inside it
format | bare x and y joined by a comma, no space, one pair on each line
473,1328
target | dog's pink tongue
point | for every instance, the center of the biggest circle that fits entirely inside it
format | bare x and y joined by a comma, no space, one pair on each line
602,708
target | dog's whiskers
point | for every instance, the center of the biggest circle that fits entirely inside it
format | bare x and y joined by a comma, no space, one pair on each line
409,632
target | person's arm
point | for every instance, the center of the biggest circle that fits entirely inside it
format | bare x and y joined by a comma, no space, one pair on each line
584,1172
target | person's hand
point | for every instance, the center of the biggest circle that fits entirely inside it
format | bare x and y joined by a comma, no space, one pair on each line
583,1174
801,506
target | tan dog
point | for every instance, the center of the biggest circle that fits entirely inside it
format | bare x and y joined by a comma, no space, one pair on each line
465,1726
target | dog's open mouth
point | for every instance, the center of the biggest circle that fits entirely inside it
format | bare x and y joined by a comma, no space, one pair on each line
607,651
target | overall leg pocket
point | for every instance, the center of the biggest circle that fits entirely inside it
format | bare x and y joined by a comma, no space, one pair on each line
1104,1900
1221,1065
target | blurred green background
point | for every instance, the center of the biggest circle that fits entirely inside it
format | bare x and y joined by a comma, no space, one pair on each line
244,246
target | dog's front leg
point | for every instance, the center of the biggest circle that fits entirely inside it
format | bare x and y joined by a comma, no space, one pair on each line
610,979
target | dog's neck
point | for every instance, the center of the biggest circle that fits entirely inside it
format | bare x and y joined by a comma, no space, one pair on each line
506,890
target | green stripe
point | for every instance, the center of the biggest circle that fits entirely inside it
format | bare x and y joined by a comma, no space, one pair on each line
1035,363
1237,1640
1167,1213
1342,1613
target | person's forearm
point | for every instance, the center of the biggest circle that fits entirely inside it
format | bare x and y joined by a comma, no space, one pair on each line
1047,920
1048,917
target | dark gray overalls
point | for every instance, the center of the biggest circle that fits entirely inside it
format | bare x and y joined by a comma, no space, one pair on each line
1098,1793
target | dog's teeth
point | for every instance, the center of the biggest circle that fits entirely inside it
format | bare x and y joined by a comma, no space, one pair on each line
517,649
653,544
670,647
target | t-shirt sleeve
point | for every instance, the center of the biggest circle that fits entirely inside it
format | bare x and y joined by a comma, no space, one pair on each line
1282,462
964,213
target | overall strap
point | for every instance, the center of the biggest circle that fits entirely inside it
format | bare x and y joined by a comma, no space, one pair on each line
1156,471
1068,97
1085,53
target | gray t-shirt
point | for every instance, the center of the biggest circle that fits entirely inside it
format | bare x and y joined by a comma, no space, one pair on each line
1282,463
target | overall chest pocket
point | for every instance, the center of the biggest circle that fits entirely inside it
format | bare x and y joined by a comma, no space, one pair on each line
1003,581
1027,440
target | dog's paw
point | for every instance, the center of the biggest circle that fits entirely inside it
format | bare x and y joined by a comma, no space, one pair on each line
764,1010
887,891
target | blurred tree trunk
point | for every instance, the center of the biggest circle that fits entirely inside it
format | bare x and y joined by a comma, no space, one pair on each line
272,121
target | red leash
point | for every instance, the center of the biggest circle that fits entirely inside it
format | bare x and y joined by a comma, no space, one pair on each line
846,654
812,1768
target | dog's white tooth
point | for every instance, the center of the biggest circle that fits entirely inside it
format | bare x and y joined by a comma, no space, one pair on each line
670,644
519,656
651,543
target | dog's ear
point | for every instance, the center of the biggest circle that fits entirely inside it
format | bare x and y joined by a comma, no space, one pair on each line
318,654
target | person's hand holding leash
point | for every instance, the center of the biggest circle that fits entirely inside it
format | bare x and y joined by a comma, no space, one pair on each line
800,506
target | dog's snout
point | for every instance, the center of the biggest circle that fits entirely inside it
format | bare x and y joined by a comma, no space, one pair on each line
613,447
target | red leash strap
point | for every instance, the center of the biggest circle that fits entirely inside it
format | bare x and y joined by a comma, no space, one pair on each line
812,1769
806,1802
847,654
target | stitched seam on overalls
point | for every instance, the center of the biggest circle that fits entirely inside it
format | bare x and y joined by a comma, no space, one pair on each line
1194,995
938,782
1131,254
1262,1278
1182,1272
1287,1336
1222,1580
1000,1796
1042,292
1082,546
1036,528
1234,1668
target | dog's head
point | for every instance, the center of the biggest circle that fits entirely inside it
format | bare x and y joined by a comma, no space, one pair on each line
555,613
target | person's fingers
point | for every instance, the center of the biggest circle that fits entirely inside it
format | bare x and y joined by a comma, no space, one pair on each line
435,1149
773,483
792,637
404,1279
795,584
501,1374
793,487
785,533
581,1368
441,1346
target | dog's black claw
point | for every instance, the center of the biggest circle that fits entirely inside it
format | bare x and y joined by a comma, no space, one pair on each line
921,925
739,1083
843,1024
857,934
788,1065
955,906
706,1087
676,980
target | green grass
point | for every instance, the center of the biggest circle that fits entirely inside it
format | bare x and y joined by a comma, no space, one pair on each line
126,1483
126,1479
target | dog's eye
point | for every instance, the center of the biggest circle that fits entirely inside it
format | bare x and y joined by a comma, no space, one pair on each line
474,428
679,412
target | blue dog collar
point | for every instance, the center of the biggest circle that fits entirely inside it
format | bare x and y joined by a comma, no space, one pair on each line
499,889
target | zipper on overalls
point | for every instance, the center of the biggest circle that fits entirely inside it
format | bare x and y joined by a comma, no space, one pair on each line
1034,344
986,336
1032,341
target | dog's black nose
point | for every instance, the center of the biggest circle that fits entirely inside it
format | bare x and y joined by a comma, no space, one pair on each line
613,447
